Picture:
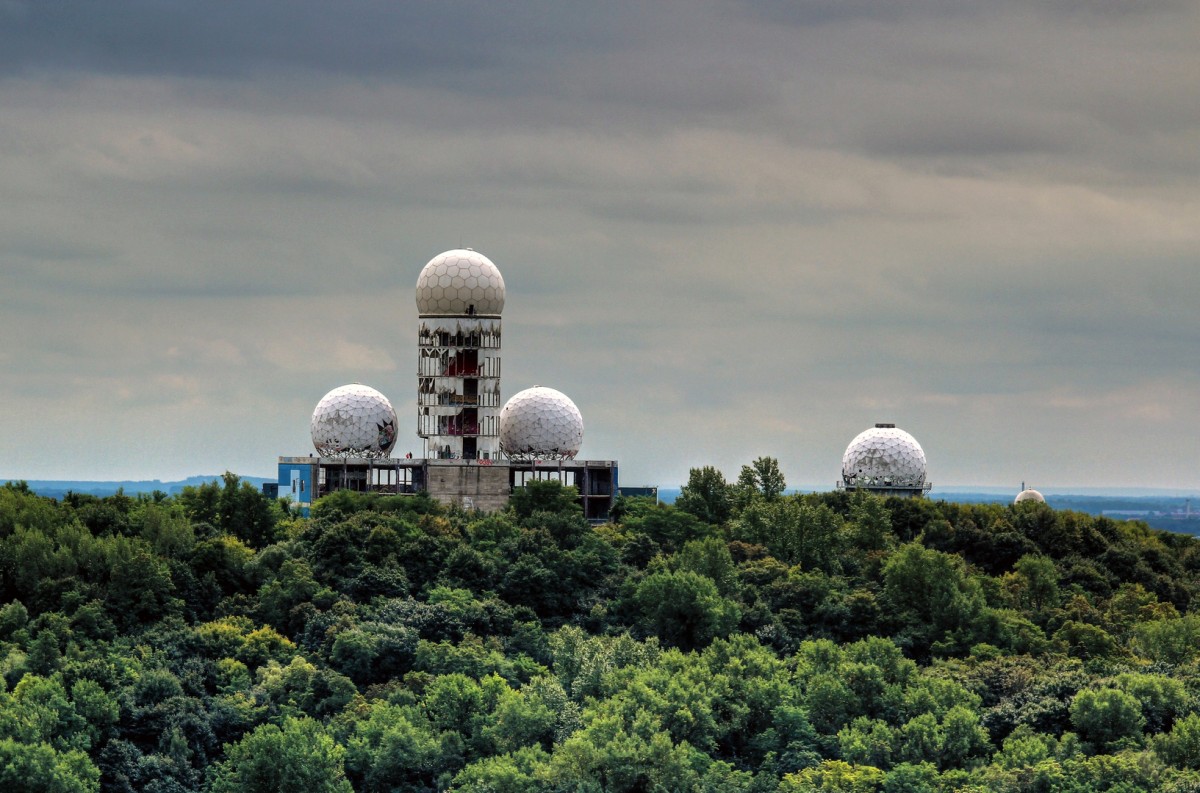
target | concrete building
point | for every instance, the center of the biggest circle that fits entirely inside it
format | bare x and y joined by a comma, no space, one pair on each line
471,484
474,453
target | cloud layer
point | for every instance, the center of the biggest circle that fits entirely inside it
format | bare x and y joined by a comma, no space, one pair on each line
728,229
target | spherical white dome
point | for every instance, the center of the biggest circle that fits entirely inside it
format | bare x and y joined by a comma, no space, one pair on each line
540,424
886,456
1029,494
460,282
354,421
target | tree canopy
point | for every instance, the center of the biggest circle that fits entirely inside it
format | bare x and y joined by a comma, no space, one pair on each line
744,639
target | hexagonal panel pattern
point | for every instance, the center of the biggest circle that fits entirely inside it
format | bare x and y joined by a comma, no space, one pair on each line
1029,494
540,424
354,421
460,282
884,456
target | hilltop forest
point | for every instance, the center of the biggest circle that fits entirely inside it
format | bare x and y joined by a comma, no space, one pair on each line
742,639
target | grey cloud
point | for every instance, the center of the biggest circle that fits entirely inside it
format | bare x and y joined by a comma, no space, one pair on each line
970,132
816,13
806,13
42,249
570,65
727,229
1110,9
230,38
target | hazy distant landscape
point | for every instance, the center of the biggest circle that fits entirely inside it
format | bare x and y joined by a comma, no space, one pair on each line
1170,510
57,488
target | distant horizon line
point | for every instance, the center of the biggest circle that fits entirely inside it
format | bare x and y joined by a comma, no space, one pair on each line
957,489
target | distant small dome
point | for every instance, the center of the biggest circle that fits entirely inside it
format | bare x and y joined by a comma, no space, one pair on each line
354,421
1029,494
540,424
460,283
884,456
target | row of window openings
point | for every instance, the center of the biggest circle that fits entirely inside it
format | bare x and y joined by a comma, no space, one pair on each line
456,425
446,453
433,363
401,479
487,338
432,392
596,486
447,398
379,477
383,480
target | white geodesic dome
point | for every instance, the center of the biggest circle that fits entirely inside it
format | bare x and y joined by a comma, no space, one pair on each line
354,421
460,282
1029,494
884,456
540,424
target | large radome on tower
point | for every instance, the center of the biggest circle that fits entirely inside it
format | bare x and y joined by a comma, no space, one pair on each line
884,459
461,282
460,295
540,423
354,421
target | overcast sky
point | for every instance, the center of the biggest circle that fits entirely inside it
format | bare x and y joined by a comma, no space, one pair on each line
728,228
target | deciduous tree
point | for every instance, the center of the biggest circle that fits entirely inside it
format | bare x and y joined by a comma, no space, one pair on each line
299,757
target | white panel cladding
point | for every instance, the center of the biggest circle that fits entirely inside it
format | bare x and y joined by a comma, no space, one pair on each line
460,282
354,421
884,456
540,424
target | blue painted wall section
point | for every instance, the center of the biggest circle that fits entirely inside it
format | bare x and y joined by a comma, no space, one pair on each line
297,482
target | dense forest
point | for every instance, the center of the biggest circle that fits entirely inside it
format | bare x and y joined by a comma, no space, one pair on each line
741,639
